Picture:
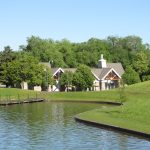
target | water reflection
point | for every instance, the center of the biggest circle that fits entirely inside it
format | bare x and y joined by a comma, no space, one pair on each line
50,126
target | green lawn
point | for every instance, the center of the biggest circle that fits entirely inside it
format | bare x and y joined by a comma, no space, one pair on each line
134,114
15,94
84,96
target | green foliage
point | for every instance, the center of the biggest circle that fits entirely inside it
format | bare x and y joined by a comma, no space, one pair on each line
146,77
6,56
122,93
67,54
130,76
26,69
47,78
83,78
66,79
140,63
128,50
135,111
45,50
10,73
65,48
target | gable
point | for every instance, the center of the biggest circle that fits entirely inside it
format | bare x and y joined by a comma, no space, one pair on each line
117,67
111,75
59,70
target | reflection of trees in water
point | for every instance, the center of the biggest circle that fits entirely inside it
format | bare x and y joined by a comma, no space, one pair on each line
33,120
119,142
123,142
28,121
51,125
57,113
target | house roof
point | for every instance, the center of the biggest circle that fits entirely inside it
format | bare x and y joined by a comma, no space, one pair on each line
99,73
110,70
117,67
56,70
104,72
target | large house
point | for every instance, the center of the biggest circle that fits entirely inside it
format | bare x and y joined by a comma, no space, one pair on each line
107,75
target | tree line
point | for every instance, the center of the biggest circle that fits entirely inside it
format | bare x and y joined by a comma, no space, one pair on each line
24,64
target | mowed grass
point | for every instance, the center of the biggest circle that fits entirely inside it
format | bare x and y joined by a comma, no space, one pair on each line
15,94
133,114
84,96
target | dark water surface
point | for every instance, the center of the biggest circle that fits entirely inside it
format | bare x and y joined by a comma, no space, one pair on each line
50,126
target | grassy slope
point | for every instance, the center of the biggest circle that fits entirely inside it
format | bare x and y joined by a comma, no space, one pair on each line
134,114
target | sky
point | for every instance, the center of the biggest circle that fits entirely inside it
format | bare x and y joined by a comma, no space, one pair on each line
75,20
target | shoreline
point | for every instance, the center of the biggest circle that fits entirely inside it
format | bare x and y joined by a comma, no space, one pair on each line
113,127
88,101
13,102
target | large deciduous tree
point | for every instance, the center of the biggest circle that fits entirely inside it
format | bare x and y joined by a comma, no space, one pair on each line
45,50
66,79
83,78
26,68
130,76
6,56
140,63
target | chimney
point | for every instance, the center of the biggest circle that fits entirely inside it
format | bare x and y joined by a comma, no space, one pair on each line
102,62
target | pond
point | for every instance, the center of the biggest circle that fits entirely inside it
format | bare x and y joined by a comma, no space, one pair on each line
51,126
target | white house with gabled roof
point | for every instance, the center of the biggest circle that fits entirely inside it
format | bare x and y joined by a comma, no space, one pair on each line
107,75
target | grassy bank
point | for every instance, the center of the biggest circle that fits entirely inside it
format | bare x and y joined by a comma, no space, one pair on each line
84,96
134,114
15,94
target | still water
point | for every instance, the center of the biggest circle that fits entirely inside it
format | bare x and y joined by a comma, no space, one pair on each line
51,126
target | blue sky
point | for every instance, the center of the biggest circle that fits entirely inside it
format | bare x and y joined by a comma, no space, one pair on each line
76,20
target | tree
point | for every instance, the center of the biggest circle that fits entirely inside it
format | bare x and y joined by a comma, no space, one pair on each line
45,50
130,76
83,78
26,68
132,43
6,56
140,63
146,76
10,74
47,78
65,48
66,79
